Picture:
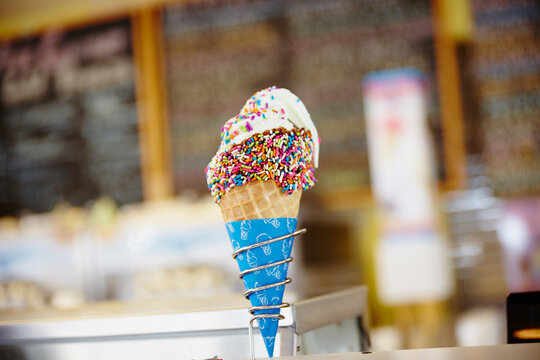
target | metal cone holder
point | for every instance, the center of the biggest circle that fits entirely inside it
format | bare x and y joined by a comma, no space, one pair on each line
247,293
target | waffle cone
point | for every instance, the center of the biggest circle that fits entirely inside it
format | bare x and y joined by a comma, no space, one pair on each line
259,200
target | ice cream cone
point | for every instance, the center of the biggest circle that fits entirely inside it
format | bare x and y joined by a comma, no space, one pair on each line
259,200
258,209
265,161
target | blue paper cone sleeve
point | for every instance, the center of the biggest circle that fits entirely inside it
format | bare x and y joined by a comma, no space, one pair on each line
248,232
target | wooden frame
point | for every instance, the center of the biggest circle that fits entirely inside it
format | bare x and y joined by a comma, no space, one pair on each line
152,105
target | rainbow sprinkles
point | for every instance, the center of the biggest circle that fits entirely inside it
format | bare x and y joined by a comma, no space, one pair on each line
279,155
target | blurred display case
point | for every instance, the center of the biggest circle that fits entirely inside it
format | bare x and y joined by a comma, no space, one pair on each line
154,251
473,219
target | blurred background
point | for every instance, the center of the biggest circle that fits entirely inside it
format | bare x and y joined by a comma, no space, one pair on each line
110,111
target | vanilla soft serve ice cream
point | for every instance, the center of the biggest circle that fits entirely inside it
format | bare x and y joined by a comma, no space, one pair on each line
268,109
272,138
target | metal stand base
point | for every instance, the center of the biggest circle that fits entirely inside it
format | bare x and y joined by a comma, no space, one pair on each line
247,293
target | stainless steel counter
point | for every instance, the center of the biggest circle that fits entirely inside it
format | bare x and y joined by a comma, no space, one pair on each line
188,332
496,352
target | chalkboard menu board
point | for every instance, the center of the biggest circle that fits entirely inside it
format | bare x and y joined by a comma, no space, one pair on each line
506,69
219,53
68,123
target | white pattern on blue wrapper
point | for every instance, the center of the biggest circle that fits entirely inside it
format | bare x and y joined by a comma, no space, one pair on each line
257,231
266,248
291,224
274,271
244,229
252,259
273,221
